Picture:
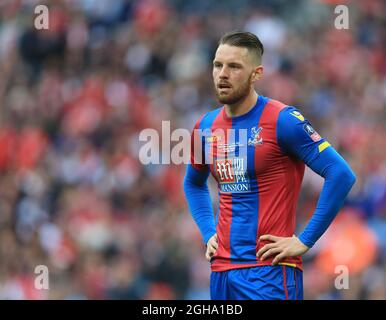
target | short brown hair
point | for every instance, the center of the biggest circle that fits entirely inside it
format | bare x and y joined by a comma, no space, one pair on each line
246,40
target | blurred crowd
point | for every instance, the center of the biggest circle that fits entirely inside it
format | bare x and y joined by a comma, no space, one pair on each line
74,196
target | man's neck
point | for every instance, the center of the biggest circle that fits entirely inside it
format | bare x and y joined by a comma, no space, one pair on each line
241,107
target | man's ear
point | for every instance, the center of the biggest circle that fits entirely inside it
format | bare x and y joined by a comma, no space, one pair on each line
257,73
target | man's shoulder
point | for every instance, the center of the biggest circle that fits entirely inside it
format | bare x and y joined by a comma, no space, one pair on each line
284,110
206,120
276,105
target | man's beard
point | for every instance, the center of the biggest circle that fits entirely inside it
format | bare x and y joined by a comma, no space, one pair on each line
239,94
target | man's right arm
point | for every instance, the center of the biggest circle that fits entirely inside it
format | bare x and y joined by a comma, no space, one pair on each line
199,201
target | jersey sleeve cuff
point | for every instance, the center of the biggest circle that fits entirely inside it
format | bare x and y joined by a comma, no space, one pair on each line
306,242
209,235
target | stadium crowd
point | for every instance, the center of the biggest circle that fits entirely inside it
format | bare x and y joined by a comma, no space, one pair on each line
74,98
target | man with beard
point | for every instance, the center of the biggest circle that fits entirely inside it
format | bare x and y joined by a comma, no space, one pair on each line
251,245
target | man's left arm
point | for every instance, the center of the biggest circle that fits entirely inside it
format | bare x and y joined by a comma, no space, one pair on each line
297,137
339,179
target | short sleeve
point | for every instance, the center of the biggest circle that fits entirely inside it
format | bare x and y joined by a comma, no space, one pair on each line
297,137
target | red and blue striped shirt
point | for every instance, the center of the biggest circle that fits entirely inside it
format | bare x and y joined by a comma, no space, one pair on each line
258,160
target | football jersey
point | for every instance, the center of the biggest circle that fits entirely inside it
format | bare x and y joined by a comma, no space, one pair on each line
258,160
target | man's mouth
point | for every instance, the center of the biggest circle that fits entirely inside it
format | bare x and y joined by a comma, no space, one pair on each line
224,86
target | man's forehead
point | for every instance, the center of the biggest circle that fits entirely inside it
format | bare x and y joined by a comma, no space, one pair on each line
227,53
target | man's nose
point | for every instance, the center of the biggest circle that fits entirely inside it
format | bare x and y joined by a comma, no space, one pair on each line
223,73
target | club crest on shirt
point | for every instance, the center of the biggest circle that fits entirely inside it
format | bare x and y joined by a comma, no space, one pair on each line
255,138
